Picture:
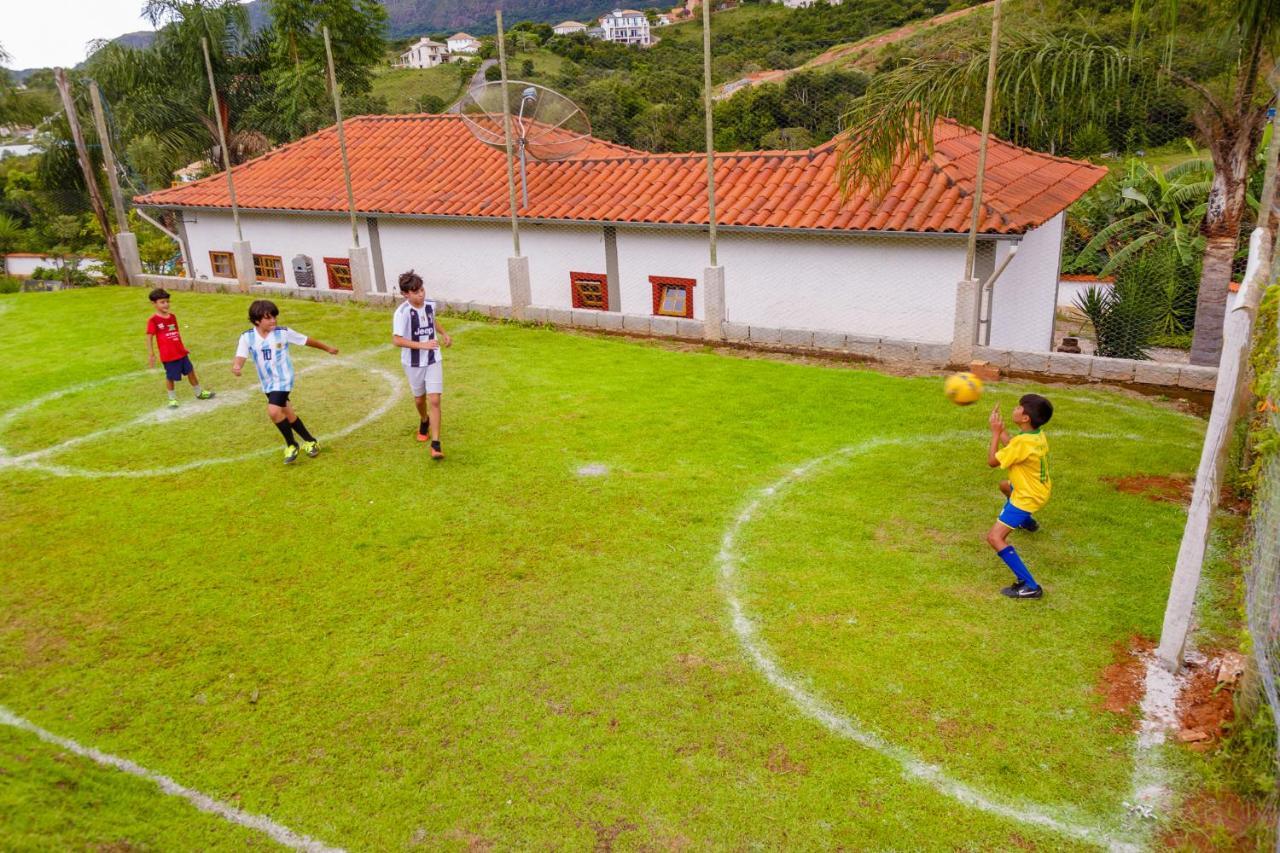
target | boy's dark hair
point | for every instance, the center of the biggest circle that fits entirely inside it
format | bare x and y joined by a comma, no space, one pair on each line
158,294
410,281
1038,408
262,308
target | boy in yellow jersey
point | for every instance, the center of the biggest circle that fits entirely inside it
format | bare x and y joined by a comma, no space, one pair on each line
1026,457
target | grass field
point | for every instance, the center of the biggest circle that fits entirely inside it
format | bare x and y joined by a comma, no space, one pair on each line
404,88
380,652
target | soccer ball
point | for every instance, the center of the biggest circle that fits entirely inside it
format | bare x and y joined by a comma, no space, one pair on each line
963,388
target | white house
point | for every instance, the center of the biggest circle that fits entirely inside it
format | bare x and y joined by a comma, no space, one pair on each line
619,230
462,43
626,26
805,4
424,54
565,28
664,20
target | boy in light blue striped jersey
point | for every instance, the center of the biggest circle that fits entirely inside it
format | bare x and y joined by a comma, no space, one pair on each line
268,345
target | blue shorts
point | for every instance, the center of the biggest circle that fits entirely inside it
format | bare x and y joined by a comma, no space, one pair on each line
1012,517
178,368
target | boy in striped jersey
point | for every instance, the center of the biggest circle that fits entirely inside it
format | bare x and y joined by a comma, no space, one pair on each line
415,328
268,345
1026,457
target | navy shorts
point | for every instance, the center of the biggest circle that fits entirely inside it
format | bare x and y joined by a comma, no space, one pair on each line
178,368
278,398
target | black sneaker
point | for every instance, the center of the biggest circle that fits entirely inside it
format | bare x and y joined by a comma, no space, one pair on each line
1030,525
1021,590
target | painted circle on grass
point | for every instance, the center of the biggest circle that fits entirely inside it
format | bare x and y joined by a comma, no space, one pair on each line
35,460
1059,820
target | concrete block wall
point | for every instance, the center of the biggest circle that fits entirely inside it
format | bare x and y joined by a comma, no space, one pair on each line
1096,369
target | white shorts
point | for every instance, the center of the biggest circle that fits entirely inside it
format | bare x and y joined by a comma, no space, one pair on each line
427,379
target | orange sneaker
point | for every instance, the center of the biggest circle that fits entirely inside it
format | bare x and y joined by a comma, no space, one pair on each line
436,452
423,438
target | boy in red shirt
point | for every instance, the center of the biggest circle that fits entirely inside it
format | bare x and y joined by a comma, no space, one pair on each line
163,334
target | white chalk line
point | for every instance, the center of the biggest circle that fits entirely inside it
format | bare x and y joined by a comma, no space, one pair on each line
8,417
847,726
205,803
31,461
395,391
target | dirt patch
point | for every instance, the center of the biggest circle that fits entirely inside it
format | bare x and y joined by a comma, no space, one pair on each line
1218,821
1173,489
1123,682
781,763
1205,708
607,835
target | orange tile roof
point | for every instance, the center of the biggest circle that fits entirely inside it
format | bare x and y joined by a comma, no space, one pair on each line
432,165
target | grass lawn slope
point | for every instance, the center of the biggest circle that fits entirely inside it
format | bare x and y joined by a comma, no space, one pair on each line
529,645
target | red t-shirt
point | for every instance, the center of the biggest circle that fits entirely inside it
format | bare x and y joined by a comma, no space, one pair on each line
168,338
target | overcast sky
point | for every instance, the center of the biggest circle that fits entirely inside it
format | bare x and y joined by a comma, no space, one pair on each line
40,33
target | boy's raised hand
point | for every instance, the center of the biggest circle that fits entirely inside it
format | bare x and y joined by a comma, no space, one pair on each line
996,421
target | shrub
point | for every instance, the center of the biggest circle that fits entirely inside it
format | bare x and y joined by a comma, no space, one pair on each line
9,284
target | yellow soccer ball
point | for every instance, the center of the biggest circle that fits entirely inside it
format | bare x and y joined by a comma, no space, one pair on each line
963,388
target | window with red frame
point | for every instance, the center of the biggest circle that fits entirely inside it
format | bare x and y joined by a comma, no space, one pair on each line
590,290
672,297
339,273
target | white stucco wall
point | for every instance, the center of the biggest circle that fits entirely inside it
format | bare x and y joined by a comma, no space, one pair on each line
554,252
22,265
645,252
458,261
1023,299
901,287
285,235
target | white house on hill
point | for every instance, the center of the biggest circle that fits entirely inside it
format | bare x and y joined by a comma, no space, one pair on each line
565,28
463,43
425,53
626,26
618,230
805,4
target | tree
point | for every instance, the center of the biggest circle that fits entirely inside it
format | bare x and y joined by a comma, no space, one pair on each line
162,92
1048,84
297,77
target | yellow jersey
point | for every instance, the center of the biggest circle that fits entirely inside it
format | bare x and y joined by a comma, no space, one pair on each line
1026,458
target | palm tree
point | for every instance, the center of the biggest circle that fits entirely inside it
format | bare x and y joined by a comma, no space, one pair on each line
162,92
1047,84
1155,205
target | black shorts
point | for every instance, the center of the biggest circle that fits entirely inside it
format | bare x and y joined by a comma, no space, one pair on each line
278,398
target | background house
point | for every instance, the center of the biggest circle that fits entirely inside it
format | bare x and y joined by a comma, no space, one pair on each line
425,53
626,26
620,230
565,28
462,43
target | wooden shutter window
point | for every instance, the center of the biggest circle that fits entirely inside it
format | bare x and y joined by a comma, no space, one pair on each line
223,264
589,290
339,270
268,268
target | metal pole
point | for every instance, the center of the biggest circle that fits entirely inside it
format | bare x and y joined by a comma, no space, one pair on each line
90,179
108,158
506,130
342,139
222,140
711,145
982,148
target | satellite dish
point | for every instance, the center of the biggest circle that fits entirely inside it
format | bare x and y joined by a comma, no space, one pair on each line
545,125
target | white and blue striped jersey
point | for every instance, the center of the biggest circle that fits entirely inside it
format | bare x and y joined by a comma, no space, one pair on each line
416,324
271,356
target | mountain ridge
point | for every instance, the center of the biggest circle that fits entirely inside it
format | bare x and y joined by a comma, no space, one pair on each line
407,18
